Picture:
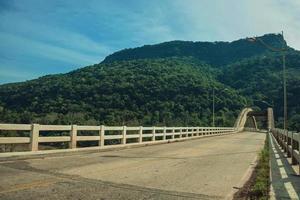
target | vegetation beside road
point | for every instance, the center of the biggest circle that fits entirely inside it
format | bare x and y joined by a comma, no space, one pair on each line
260,189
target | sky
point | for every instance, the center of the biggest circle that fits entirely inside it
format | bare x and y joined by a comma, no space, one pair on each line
40,37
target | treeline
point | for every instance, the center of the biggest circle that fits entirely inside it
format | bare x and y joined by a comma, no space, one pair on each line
149,92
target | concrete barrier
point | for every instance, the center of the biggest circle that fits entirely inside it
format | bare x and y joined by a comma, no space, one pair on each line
121,133
290,143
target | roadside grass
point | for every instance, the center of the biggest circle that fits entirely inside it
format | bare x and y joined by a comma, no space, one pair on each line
260,189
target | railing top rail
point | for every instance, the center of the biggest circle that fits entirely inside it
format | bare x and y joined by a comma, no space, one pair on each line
13,127
43,127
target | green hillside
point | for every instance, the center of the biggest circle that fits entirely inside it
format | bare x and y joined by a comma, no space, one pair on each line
169,91
260,80
165,84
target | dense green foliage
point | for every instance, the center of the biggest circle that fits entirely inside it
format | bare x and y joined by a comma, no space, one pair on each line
166,84
169,91
260,80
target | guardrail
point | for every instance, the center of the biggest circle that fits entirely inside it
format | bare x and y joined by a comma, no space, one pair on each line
104,133
290,143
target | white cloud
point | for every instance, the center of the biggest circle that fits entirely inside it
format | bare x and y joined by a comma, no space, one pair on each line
58,36
233,19
77,33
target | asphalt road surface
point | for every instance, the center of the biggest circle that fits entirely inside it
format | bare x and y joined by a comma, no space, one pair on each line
205,168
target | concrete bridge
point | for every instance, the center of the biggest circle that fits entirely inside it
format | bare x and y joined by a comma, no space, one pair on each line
142,162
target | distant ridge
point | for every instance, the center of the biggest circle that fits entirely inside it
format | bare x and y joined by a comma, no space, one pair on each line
213,53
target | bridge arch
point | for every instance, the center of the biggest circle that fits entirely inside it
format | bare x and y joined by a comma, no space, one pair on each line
249,114
253,121
242,118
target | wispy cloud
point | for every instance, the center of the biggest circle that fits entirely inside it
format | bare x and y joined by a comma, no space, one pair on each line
46,50
56,36
232,19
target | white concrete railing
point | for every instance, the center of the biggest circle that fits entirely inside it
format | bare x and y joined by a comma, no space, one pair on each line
123,133
290,143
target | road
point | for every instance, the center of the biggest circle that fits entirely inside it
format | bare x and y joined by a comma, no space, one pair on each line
205,168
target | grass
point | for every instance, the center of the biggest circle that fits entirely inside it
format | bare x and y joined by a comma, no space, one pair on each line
260,188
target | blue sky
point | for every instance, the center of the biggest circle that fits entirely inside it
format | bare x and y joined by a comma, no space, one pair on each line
39,37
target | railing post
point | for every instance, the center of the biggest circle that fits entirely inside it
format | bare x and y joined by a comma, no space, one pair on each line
294,161
299,148
102,136
173,133
282,139
73,137
288,142
153,133
180,135
34,137
124,135
141,134
165,132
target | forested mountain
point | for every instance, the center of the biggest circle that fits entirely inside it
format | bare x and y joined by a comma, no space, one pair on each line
260,80
169,91
165,84
213,53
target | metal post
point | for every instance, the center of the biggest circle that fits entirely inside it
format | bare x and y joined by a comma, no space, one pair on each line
285,123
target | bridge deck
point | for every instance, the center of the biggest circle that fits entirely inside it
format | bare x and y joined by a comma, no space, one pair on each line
206,168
